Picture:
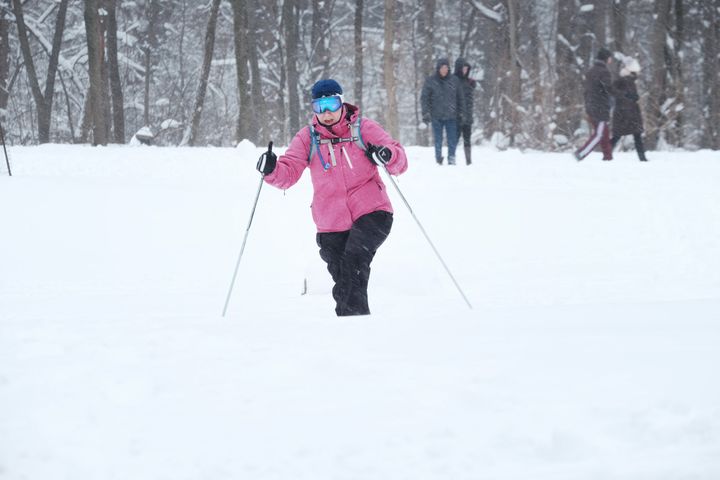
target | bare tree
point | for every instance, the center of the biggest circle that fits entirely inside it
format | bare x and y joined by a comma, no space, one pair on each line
710,74
569,73
241,65
192,130
150,43
658,88
4,54
96,103
259,109
319,54
289,20
389,70
44,101
618,15
116,93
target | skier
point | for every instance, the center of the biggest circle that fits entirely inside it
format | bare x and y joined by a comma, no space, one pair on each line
627,119
598,88
350,207
465,114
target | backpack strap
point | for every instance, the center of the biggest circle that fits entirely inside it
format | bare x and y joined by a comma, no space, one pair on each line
356,134
315,147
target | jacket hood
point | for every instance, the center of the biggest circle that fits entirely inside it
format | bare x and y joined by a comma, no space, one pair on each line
440,63
459,64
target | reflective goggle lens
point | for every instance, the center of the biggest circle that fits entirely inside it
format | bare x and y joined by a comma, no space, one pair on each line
326,104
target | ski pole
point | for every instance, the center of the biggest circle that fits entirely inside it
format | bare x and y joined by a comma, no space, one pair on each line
247,230
427,237
7,159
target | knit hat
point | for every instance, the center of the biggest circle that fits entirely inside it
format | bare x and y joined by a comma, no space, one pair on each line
326,88
630,66
633,66
441,62
603,54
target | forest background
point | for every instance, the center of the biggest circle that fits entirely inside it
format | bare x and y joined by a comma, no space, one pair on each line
217,71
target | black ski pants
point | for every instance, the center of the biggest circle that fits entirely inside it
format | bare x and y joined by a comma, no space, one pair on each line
348,255
639,147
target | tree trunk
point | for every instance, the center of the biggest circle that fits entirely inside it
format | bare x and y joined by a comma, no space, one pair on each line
320,21
116,93
152,12
426,61
569,73
192,132
289,19
710,74
513,92
391,116
530,49
4,56
358,53
677,71
659,84
241,66
619,24
259,123
96,105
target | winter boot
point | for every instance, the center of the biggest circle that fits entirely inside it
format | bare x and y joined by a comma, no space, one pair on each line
439,160
468,152
451,160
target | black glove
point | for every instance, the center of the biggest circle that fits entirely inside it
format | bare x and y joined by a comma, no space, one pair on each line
378,155
426,118
267,161
632,96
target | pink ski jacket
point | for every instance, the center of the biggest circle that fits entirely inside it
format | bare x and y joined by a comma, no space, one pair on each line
352,187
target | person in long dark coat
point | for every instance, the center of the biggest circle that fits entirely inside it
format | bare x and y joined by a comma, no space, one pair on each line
627,119
597,91
465,114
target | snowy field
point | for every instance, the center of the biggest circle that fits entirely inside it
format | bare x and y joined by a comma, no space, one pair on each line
592,350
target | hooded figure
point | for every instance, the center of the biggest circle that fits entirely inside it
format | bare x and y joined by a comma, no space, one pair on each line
441,101
465,114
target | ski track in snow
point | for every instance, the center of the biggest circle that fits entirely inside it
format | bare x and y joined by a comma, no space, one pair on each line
590,353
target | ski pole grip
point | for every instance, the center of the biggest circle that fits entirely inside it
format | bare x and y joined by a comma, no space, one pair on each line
270,148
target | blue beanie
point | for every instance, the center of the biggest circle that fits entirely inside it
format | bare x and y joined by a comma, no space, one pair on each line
326,88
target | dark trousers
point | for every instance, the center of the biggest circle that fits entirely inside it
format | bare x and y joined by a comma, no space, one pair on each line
464,131
639,147
348,255
450,127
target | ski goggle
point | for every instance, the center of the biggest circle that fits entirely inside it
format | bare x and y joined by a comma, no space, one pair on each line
327,104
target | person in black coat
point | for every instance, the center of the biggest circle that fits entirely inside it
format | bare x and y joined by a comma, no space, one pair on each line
465,114
627,119
598,89
440,101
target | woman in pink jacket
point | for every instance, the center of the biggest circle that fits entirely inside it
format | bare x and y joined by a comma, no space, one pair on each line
350,207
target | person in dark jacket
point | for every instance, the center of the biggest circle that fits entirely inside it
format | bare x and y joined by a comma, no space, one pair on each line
465,113
627,119
440,101
598,89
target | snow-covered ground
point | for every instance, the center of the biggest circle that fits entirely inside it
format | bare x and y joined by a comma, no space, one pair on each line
591,351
